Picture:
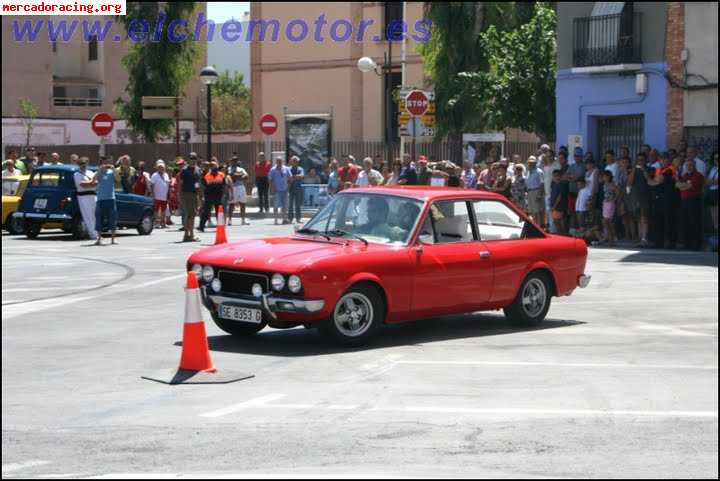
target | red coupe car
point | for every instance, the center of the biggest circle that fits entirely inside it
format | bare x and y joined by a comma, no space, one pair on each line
382,255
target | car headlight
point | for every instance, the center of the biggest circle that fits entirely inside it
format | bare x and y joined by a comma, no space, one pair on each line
257,290
278,282
294,284
197,269
208,273
216,285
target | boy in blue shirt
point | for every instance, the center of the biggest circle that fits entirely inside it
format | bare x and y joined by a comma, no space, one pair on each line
106,207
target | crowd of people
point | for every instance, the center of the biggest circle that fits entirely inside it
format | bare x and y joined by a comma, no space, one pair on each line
649,198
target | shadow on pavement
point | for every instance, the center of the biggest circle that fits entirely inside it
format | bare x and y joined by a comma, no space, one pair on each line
309,342
685,258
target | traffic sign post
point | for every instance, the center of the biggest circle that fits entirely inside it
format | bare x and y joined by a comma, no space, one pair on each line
102,124
268,126
417,103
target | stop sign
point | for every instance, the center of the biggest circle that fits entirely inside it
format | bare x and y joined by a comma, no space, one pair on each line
416,103
268,124
102,123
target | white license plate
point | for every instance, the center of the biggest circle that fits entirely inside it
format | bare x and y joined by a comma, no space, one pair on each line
243,314
40,203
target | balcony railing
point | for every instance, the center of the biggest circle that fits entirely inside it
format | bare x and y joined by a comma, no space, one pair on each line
607,40
76,102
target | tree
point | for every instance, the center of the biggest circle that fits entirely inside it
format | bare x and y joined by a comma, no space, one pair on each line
28,114
454,49
230,104
156,66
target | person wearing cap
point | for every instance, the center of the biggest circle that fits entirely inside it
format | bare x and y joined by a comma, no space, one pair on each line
535,185
160,188
106,208
214,182
239,176
189,186
87,201
262,171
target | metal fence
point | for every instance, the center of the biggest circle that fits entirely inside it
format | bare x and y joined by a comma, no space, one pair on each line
607,39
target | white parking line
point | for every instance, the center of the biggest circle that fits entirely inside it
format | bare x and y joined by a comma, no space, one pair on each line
561,364
9,468
257,402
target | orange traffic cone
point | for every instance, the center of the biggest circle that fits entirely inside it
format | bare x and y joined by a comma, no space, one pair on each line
195,352
220,236
196,366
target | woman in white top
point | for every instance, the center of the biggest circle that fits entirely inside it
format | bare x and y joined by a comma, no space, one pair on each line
160,187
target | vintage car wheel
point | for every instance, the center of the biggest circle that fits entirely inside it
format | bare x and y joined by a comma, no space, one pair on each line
357,316
15,225
145,227
79,232
532,302
32,228
241,329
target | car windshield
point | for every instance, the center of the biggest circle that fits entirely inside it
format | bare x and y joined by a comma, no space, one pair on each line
10,186
46,179
384,219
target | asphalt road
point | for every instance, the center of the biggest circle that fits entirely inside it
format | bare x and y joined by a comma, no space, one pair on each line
620,381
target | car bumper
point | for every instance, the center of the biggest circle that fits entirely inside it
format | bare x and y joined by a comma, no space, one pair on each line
39,216
270,305
583,281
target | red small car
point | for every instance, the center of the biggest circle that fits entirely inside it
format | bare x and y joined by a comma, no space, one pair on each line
382,255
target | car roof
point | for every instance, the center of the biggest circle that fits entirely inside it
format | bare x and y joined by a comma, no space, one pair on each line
426,192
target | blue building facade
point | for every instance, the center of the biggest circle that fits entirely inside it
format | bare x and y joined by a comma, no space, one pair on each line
611,88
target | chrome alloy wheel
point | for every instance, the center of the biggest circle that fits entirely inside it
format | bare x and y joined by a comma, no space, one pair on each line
353,314
534,297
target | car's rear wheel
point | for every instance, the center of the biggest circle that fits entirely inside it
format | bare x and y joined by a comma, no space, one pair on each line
79,231
240,329
15,225
357,316
32,228
532,302
145,227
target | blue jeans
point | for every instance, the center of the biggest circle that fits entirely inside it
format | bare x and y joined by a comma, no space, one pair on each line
296,201
106,209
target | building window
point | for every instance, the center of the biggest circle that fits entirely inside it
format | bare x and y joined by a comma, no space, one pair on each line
619,131
93,48
393,18
609,36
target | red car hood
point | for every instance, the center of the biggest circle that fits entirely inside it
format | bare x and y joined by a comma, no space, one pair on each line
283,254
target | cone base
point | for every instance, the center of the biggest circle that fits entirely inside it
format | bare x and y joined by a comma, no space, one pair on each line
186,376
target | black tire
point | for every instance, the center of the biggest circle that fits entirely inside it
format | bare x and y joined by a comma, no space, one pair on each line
15,225
32,228
339,327
79,232
532,302
146,225
240,329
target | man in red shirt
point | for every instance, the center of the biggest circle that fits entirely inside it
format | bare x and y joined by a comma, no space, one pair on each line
262,170
691,190
348,171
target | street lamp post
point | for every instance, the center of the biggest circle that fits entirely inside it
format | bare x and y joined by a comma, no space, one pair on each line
366,64
209,76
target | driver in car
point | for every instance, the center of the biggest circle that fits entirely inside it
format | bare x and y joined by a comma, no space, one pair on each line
377,213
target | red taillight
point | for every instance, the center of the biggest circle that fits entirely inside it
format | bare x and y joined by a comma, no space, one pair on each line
64,202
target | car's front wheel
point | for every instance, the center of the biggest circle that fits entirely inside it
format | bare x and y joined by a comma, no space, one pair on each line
15,225
32,228
357,316
145,227
532,302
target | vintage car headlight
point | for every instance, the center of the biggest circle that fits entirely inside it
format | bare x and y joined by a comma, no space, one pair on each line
294,284
208,273
197,269
216,285
257,290
278,282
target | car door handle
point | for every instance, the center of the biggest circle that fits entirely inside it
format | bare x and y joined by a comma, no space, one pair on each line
484,254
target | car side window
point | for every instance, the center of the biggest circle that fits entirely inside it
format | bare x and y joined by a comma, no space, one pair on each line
496,221
46,179
451,221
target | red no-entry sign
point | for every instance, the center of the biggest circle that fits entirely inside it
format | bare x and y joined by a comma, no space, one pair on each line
416,103
268,124
102,123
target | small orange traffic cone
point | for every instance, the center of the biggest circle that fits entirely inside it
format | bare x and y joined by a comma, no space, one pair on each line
195,351
220,236
196,366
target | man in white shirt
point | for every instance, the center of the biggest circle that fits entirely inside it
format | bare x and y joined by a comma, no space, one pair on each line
368,176
700,165
160,187
86,196
10,170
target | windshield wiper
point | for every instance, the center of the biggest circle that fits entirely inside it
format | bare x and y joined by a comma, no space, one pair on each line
342,233
306,230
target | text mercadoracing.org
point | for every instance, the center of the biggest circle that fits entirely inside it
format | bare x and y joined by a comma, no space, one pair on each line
179,30
59,7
